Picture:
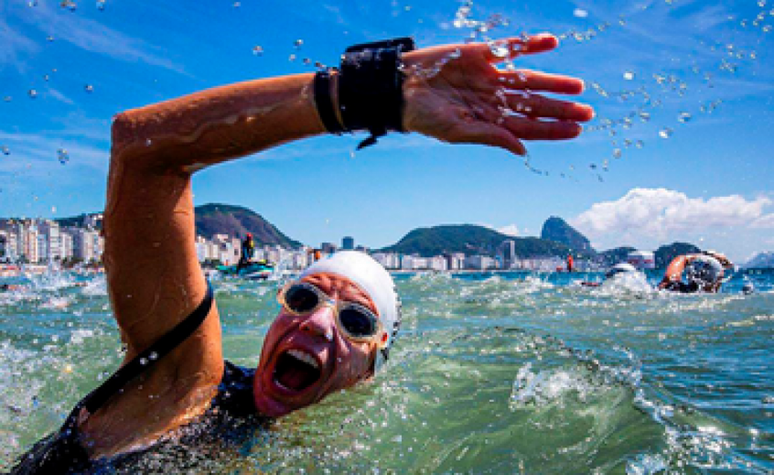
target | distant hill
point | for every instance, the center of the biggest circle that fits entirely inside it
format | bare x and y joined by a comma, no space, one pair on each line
216,218
470,240
665,254
556,229
764,260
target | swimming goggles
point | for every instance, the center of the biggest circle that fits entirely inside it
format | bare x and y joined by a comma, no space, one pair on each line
357,322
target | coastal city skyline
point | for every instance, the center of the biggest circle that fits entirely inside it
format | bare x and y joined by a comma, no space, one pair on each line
42,241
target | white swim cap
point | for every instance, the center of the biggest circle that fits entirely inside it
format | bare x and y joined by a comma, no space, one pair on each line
620,268
372,278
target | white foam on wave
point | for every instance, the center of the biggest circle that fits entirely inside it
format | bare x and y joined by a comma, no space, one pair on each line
18,397
626,283
95,287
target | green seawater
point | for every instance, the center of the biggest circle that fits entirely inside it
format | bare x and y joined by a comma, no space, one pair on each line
505,373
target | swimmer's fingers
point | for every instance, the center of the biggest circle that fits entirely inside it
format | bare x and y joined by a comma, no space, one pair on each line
539,81
486,133
531,129
535,105
499,50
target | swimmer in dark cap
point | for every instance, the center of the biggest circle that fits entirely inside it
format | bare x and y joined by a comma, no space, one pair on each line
338,321
703,272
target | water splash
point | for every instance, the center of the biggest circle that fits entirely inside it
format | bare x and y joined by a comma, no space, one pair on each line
63,156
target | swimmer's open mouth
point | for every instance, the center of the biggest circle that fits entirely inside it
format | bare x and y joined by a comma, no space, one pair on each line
296,370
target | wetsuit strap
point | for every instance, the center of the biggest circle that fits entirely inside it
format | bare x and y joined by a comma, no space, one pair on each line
168,342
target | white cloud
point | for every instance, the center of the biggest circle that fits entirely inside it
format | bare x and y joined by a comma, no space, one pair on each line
509,230
659,215
764,222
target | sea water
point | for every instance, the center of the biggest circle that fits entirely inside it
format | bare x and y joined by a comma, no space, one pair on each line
493,373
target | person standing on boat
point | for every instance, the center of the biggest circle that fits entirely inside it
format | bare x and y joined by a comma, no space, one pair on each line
248,251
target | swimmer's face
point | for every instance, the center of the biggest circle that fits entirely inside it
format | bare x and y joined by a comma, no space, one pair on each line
305,358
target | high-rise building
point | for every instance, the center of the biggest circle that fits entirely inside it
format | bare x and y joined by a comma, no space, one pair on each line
66,244
50,232
348,243
328,248
509,253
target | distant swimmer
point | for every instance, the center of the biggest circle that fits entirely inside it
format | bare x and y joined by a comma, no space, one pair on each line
618,272
11,287
338,320
703,272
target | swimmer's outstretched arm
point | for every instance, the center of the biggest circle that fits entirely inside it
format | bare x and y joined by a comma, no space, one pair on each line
674,271
153,273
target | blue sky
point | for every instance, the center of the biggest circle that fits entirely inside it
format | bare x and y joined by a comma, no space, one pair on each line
646,63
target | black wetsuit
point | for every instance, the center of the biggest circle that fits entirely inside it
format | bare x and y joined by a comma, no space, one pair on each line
682,287
231,409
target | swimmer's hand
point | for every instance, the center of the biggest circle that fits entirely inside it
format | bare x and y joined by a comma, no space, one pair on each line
471,101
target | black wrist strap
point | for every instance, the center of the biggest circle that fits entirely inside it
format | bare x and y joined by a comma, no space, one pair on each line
370,90
324,102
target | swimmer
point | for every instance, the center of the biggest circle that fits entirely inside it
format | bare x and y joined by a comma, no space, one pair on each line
619,270
339,320
703,271
11,288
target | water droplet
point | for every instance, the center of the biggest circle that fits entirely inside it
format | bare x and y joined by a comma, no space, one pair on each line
622,21
257,50
499,49
5,150
767,28
88,88
33,3
148,142
761,3
101,5
153,356
628,75
298,43
49,38
32,93
455,54
46,77
143,361
684,117
580,13
292,57
69,4
665,133
307,61
644,116
617,153
63,156
237,4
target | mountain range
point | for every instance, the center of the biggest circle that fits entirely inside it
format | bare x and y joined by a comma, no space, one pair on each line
557,238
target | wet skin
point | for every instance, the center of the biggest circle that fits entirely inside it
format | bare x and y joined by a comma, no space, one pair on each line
342,362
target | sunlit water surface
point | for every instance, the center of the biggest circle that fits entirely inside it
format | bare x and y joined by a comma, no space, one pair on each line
509,373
